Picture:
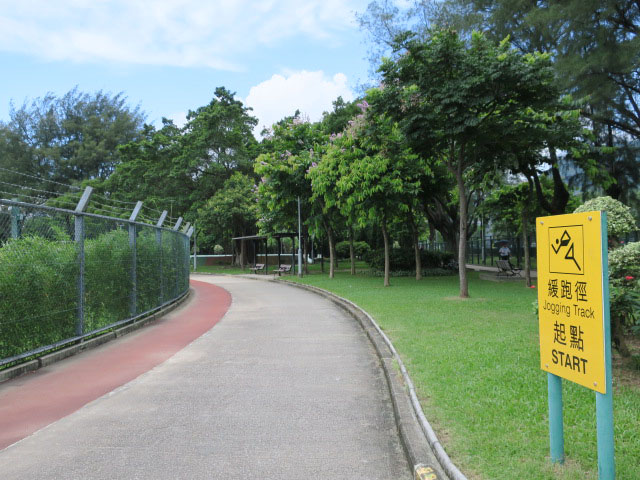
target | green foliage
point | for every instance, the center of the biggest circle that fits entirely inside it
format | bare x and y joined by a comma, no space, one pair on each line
292,149
180,169
39,283
625,261
107,279
361,249
231,212
624,278
403,259
67,139
619,218
218,250
38,293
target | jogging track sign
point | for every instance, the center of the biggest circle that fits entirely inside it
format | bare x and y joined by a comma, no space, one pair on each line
570,298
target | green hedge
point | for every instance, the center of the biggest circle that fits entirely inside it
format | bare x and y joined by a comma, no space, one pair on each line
39,282
38,293
404,259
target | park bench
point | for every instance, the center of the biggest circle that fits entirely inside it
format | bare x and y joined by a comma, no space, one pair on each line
505,269
282,269
257,267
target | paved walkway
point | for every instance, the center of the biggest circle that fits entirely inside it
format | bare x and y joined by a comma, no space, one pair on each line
285,386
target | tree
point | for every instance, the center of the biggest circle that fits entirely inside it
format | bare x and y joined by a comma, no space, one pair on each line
453,102
70,138
185,167
369,174
218,137
231,212
595,49
291,148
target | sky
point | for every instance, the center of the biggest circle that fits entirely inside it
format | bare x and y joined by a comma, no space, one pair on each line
168,56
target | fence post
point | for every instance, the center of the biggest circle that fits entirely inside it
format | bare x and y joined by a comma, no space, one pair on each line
15,221
161,220
79,238
190,232
133,306
175,256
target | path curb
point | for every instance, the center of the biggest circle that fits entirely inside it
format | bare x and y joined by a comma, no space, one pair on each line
45,360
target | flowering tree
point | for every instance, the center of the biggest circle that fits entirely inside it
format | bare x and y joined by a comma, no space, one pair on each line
368,173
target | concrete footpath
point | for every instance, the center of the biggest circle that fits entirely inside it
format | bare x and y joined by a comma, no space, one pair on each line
285,386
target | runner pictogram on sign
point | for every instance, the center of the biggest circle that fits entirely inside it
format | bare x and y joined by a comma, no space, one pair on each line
567,250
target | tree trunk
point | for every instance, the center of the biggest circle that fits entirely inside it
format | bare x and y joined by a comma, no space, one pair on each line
305,250
387,263
332,250
243,253
416,245
352,254
462,241
525,242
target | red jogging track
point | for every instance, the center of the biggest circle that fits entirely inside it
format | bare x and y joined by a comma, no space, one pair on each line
33,401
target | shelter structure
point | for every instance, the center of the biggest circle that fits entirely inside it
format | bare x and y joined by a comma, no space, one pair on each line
256,241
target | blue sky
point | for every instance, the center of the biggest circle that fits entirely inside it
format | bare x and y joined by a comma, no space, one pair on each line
168,56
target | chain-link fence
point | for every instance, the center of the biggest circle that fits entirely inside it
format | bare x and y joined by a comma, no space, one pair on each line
66,275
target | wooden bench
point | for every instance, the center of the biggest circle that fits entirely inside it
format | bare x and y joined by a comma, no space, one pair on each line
257,268
507,270
282,269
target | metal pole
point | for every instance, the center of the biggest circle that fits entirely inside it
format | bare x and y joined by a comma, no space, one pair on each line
161,220
299,240
133,307
195,248
556,427
15,221
604,402
134,278
79,238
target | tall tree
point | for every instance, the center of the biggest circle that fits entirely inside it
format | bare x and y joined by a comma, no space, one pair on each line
453,101
70,138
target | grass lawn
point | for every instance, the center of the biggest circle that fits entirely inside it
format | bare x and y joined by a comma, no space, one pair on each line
475,364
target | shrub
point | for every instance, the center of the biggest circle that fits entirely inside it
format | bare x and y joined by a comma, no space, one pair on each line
404,259
625,261
619,218
624,278
39,281
218,250
38,300
107,279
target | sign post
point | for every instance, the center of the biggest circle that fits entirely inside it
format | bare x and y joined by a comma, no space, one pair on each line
573,306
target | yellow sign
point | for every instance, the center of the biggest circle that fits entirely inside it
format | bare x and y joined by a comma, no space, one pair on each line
570,302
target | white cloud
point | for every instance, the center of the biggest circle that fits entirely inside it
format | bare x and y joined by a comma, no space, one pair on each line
200,33
310,92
